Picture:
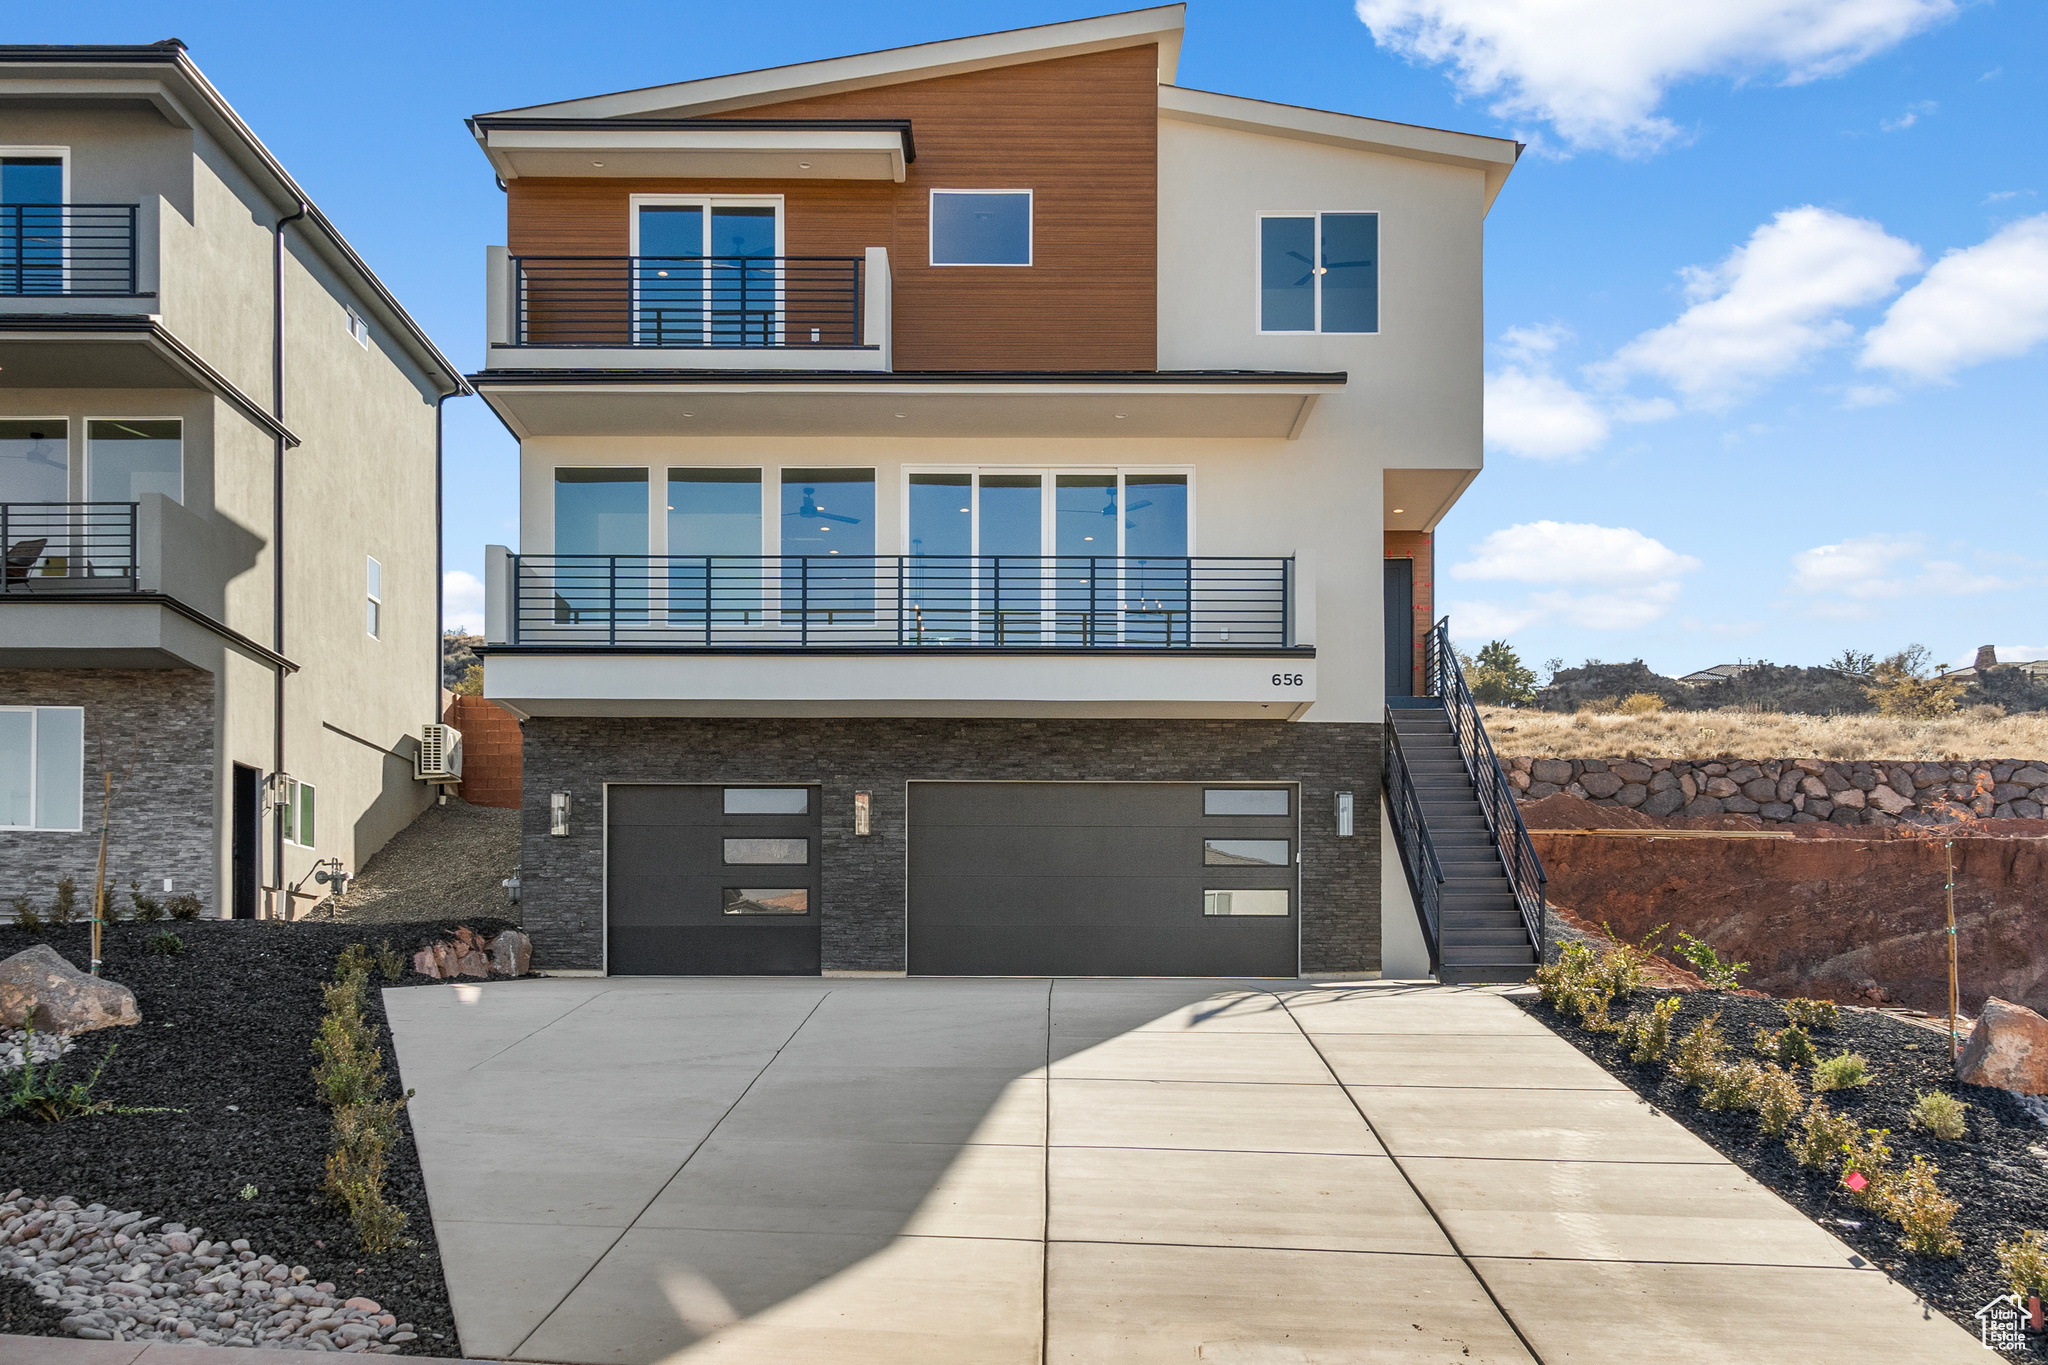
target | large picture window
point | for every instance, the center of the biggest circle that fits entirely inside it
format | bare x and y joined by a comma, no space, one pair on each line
35,459
42,767
1319,272
125,458
981,227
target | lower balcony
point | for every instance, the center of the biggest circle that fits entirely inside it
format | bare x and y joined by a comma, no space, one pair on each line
68,547
898,635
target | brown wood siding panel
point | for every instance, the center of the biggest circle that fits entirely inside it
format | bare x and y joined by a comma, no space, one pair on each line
1419,546
1082,133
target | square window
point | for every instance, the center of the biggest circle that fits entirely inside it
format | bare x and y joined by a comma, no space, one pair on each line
1269,904
1246,853
981,227
35,460
125,459
746,900
767,800
767,852
1244,801
1319,272
42,767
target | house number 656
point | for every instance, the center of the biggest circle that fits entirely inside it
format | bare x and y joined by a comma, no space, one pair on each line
1287,680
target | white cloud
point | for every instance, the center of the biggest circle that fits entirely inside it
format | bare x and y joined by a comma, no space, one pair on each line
1771,305
1986,302
462,602
1848,578
1532,412
1594,577
1597,70
1909,118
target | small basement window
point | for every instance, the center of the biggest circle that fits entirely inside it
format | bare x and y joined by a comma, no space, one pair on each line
981,227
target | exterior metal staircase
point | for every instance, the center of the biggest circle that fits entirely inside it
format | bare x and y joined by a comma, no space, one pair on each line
1477,884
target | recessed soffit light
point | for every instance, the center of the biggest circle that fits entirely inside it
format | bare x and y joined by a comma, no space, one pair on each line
803,165
1399,510
597,163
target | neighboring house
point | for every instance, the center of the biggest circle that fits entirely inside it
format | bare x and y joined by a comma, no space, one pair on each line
976,500
1718,673
218,474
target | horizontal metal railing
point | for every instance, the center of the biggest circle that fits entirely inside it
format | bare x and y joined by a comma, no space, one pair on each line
688,301
903,601
60,546
67,249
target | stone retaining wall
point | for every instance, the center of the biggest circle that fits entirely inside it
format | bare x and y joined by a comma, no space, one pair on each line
1795,790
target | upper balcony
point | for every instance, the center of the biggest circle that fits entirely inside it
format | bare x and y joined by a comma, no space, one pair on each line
76,258
689,312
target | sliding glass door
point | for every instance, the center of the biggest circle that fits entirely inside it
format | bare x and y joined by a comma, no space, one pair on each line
705,273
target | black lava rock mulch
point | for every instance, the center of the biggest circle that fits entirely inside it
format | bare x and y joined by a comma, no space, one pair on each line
1998,1171
226,1041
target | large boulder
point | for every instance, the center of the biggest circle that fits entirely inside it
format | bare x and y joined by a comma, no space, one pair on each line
511,953
40,990
2008,1049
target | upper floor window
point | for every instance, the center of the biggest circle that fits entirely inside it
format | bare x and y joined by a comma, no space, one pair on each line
981,227
600,511
35,460
42,767
828,511
1319,272
127,457
33,176
375,578
357,328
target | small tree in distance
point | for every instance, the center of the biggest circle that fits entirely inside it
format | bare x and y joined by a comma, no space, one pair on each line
1900,686
1499,677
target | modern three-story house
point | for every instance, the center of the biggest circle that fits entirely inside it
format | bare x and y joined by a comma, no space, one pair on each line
975,505
218,454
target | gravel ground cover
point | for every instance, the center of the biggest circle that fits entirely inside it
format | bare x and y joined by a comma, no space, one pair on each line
1998,1171
450,861
225,1041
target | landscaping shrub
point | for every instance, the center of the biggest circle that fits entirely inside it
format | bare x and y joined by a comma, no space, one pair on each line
1640,704
184,906
1823,1137
349,1070
1777,1099
1915,1202
64,909
1812,1015
1698,1054
147,908
1649,1035
1732,1087
1939,1114
1867,1169
1844,1071
390,961
45,1096
1788,1047
2024,1262
26,916
166,944
1707,964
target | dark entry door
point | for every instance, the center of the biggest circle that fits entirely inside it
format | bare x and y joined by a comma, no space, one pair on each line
247,837
1400,619
712,881
1103,879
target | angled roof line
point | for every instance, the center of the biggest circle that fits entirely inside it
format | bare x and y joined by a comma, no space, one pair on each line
887,66
288,194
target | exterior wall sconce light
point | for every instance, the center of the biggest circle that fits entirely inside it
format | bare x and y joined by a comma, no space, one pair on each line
558,814
1343,815
863,814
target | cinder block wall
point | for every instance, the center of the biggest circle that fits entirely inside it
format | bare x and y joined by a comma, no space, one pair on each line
562,879
491,760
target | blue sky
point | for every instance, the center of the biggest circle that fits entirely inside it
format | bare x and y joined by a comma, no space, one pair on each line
1766,300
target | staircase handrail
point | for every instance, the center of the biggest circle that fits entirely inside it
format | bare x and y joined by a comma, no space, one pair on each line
1418,851
1490,781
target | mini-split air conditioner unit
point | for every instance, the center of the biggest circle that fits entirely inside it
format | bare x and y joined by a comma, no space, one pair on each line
440,754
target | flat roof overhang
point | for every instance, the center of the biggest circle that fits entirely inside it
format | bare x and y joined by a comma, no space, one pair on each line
691,148
115,351
1147,403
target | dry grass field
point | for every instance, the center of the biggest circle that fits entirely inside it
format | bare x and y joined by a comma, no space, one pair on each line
1750,734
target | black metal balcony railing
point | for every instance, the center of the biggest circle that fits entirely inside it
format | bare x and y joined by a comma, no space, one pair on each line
67,249
677,301
64,546
902,601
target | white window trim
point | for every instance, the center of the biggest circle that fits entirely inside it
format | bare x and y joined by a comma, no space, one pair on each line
358,326
1030,234
658,532
61,153
292,789
376,597
35,762
85,438
1049,495
1258,265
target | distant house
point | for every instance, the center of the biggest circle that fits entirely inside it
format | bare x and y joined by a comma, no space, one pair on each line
1718,673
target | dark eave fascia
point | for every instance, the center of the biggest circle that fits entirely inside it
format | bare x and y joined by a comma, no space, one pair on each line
485,378
172,54
150,330
481,125
225,631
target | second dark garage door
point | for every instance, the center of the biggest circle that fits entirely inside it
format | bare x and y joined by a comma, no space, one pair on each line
1103,879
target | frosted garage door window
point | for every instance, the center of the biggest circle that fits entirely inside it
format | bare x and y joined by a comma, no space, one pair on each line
981,227
767,852
1240,903
767,800
1243,801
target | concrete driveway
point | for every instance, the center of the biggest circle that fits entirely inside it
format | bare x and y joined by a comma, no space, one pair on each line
1028,1171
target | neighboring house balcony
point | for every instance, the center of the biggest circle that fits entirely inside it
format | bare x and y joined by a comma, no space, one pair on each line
752,312
1205,635
78,258
138,584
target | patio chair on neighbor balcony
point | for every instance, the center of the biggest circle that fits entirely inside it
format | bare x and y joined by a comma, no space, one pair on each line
22,556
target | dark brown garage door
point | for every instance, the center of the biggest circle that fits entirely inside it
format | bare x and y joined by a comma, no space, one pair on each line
1103,879
706,881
